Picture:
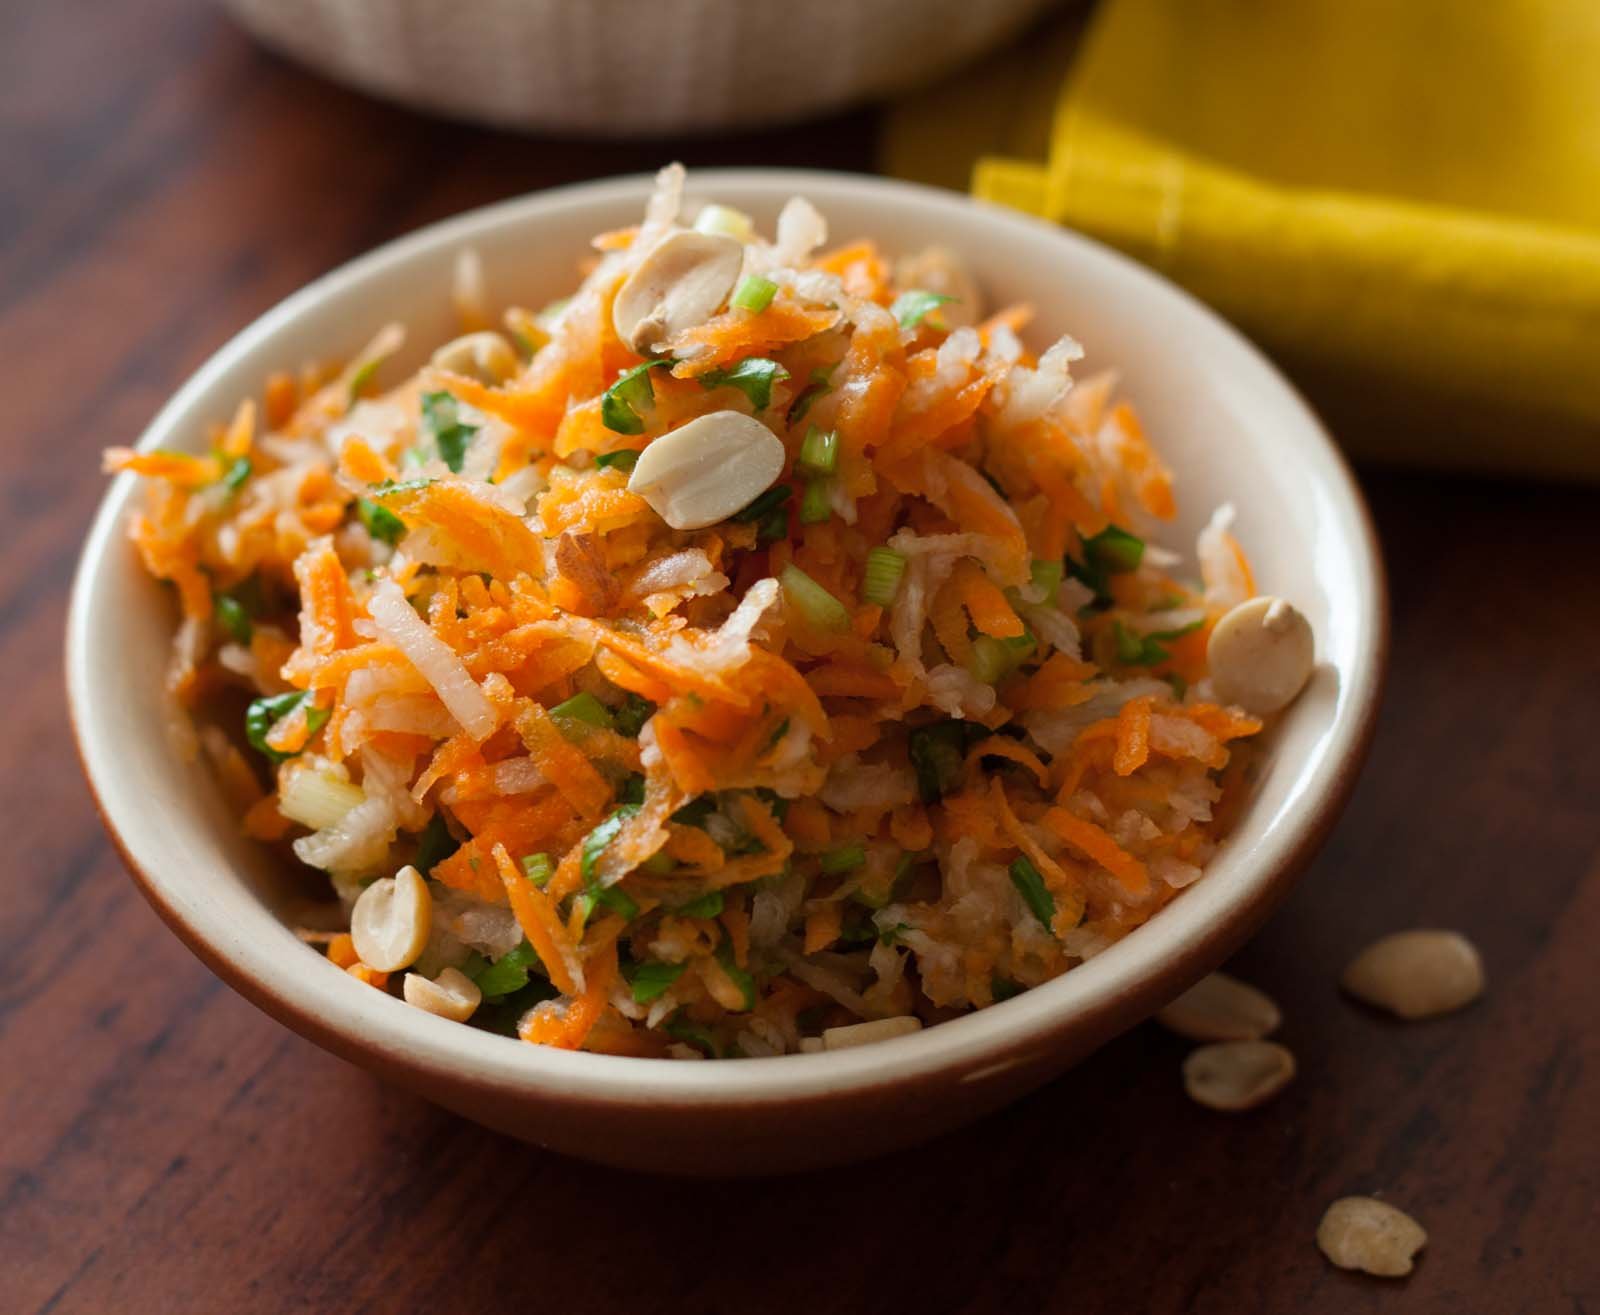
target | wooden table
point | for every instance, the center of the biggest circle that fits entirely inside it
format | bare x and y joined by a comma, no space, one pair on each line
166,1148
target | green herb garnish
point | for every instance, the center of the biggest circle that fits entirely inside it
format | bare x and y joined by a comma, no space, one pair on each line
650,981
538,868
707,906
441,420
911,308
595,842
1025,877
584,708
625,459
631,714
743,980
265,713
508,973
819,383
434,845
380,522
769,513
938,754
846,858
623,405
754,377
237,472
232,617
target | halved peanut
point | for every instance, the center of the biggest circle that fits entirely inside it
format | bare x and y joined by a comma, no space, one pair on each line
681,282
1360,1232
863,1034
1416,974
1237,1075
1260,654
704,471
1221,1008
452,994
391,920
484,356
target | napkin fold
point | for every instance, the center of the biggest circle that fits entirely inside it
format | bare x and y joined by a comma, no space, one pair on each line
1401,201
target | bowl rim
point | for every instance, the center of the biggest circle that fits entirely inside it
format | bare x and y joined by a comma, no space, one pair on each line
350,1019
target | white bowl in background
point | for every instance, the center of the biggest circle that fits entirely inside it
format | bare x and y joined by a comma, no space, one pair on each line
1231,428
635,68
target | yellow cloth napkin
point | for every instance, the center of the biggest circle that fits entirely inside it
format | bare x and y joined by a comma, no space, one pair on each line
1400,199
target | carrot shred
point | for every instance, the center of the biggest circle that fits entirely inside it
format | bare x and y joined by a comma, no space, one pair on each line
1098,845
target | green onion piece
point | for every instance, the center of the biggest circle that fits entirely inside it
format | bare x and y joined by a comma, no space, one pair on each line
1114,550
819,453
693,1034
538,868
441,421
891,935
262,715
761,507
595,842
233,618
583,708
650,981
1111,552
630,716
910,308
234,477
606,897
707,906
938,754
754,377
434,845
1136,650
846,858
991,660
754,293
623,405
724,219
1180,686
819,383
1045,578
815,604
381,523
816,503
1004,988
631,791
1025,877
658,864
508,973
741,979
622,459
881,580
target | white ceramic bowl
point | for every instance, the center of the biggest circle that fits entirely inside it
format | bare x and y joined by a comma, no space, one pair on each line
1230,426
615,68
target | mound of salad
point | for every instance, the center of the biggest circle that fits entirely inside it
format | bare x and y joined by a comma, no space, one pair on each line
762,650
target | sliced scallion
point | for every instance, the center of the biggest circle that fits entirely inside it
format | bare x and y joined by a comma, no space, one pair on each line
706,906
754,293
816,503
622,459
937,753
381,523
819,452
538,868
232,617
815,604
880,581
265,713
846,858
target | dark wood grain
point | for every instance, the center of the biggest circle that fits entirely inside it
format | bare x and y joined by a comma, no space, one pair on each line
165,1148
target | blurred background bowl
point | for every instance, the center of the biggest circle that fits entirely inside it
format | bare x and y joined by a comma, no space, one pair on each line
611,68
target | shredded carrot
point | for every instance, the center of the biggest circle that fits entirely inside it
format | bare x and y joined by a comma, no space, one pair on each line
540,923
1099,846
1133,736
822,927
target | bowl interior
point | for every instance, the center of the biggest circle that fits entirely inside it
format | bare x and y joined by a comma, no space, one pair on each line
1222,417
